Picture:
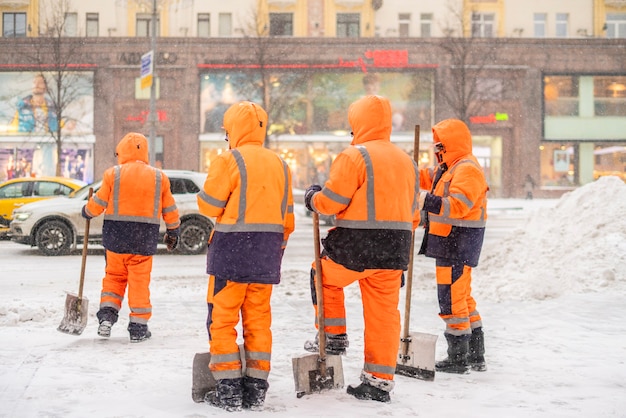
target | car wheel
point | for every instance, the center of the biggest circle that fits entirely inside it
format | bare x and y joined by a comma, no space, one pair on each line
54,238
194,234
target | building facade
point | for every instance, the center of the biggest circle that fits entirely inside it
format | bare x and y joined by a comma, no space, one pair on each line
537,103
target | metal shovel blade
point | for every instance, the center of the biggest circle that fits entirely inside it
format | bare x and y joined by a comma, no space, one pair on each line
202,380
418,360
75,318
310,377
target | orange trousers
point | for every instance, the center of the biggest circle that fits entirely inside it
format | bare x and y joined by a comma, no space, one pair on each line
380,293
130,270
457,307
226,300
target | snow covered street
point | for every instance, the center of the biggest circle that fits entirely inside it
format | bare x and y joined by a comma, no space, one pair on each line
550,289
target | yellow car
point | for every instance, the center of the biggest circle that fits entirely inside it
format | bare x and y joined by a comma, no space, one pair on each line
17,192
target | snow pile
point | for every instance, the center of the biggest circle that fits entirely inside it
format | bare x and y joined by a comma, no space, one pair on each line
577,246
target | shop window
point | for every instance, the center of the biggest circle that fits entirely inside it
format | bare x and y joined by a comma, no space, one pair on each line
561,95
92,25
14,25
348,25
609,95
557,165
281,24
204,25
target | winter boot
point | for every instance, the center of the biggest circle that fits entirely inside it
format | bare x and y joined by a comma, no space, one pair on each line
254,391
138,332
228,394
106,317
372,388
336,344
457,360
477,350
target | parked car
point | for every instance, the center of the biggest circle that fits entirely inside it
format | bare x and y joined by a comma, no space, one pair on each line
20,191
57,226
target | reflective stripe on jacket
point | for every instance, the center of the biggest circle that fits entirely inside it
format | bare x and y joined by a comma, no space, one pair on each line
134,196
248,189
372,190
457,205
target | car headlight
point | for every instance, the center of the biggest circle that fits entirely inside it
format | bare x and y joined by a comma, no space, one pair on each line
21,216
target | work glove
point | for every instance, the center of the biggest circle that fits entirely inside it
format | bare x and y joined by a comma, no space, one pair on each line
421,200
84,213
308,195
171,239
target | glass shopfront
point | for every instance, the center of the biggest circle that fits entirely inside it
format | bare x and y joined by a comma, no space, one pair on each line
29,119
308,124
584,129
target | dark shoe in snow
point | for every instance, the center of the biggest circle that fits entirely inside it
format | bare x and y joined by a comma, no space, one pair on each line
254,391
368,392
477,350
228,395
336,344
138,332
104,329
457,360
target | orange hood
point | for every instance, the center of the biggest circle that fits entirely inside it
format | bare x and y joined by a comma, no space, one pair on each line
455,137
133,147
370,119
246,123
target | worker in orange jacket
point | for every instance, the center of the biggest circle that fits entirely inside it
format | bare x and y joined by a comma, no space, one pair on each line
248,189
134,196
372,189
455,214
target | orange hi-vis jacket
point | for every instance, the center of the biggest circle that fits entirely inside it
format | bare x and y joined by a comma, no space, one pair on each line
248,189
457,202
372,189
134,196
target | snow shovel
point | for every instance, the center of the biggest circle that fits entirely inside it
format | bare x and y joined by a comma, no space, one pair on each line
76,307
202,380
416,356
316,372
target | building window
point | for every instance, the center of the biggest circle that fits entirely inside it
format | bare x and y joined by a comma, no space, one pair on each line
92,25
426,23
404,25
616,25
482,25
70,25
348,25
144,25
539,24
225,26
562,25
281,24
609,94
204,25
14,25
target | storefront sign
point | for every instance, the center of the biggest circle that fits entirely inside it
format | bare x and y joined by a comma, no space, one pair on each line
134,58
371,59
143,116
489,119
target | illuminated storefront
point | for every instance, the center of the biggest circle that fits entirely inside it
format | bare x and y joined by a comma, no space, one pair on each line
27,117
308,124
584,129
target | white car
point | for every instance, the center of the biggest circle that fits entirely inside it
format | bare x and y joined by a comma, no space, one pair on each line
56,225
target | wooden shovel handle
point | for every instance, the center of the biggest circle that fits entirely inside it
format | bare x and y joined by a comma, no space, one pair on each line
84,260
409,278
319,289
